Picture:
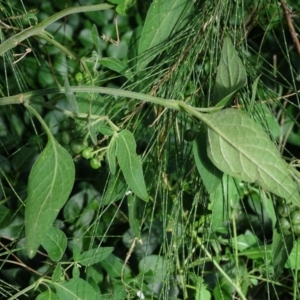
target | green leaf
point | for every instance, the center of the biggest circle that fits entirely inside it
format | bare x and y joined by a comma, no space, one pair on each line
231,74
71,97
116,65
162,17
55,243
116,189
201,290
114,266
111,156
57,273
95,38
158,265
93,256
210,174
240,148
130,164
50,182
293,261
47,295
75,289
281,249
134,222
6,216
253,94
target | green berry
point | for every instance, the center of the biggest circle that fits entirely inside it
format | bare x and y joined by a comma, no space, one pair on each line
296,229
189,135
66,137
87,153
79,77
295,217
77,145
283,210
95,163
69,124
284,224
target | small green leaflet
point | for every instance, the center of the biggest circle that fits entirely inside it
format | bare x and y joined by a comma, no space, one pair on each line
95,38
111,156
240,148
231,74
281,248
134,221
71,97
94,256
130,163
116,65
50,183
55,243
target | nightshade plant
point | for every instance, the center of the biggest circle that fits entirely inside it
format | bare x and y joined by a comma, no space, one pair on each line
101,118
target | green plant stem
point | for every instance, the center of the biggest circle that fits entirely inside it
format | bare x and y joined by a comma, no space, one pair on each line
167,103
62,48
224,274
40,27
37,115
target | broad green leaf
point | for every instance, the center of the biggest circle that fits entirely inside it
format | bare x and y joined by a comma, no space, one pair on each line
130,164
240,148
47,295
210,174
93,256
50,183
75,289
70,96
134,222
111,156
116,65
114,267
231,74
162,17
281,249
55,243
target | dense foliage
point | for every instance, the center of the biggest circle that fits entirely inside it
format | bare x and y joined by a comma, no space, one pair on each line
149,149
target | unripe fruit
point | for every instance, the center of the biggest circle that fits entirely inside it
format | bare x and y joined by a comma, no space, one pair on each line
77,145
295,217
296,229
69,124
95,163
87,153
284,224
283,210
66,137
189,135
79,77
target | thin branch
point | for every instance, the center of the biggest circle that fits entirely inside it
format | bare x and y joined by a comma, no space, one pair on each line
288,17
